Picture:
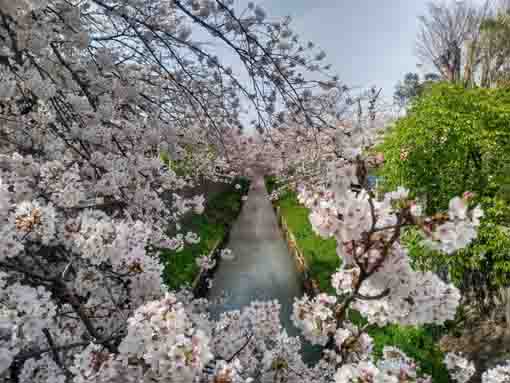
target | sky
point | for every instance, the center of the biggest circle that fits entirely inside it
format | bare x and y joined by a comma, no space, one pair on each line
368,42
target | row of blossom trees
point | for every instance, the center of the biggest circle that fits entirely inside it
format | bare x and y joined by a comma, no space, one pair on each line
91,91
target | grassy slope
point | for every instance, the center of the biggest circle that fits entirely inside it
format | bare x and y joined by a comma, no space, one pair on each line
419,343
320,254
211,226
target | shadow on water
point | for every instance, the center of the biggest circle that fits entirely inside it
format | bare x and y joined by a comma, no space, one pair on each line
262,269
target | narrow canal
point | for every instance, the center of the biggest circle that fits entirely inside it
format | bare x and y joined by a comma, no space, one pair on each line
262,269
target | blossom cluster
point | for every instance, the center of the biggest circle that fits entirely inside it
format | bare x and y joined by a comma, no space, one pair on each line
498,374
374,264
460,368
315,318
393,367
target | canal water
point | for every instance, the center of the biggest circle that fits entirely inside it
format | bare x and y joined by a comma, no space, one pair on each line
262,269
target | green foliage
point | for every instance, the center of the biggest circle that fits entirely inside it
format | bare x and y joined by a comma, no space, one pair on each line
180,268
412,87
187,163
419,343
492,248
165,157
488,255
455,140
179,167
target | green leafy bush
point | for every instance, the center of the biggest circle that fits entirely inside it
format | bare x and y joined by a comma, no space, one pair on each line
452,140
488,256
455,140
187,163
419,343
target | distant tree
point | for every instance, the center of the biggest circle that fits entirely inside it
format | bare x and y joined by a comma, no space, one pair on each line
411,87
448,32
495,51
407,89
432,77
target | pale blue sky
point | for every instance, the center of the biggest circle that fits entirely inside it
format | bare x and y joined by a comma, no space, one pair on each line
368,42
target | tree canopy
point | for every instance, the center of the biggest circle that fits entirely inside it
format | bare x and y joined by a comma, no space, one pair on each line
456,140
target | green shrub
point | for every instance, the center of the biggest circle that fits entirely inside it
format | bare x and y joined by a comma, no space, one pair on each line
455,140
488,255
165,157
419,343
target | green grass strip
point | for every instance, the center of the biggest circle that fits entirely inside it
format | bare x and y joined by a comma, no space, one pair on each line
180,267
